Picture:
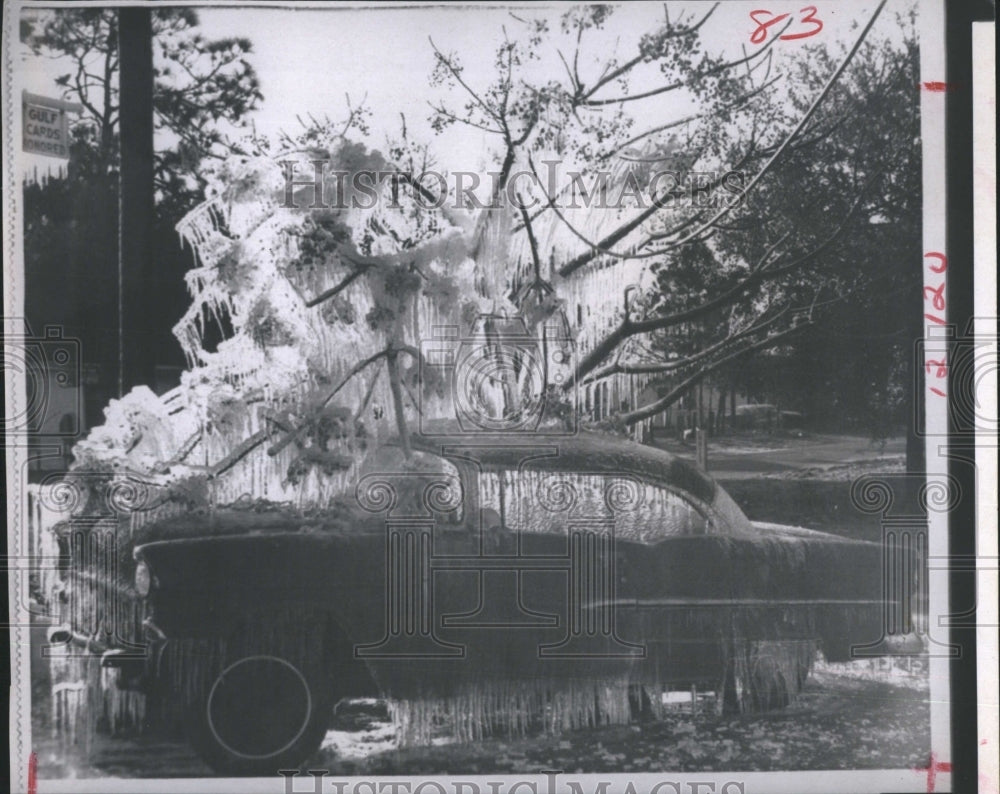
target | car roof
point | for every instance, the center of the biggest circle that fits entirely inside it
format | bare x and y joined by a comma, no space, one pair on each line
581,452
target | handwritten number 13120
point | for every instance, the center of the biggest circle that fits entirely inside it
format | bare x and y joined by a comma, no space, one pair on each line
808,18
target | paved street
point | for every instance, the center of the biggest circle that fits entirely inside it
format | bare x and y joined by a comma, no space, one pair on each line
736,458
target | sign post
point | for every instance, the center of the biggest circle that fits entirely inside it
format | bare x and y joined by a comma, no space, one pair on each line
45,128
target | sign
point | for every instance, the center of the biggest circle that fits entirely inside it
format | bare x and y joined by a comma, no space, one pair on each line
46,125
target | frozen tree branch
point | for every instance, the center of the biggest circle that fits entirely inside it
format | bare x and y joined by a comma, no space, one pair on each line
766,268
683,363
798,127
653,408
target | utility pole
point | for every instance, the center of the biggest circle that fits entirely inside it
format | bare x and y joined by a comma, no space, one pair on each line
136,353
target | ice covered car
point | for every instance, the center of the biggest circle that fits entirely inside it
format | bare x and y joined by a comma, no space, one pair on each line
481,586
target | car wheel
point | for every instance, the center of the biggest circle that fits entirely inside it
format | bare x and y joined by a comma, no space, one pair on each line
261,713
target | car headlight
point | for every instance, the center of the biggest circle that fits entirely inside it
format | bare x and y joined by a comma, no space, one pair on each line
143,579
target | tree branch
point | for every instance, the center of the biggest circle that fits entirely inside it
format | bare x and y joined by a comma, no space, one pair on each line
344,283
632,417
458,78
395,386
734,105
297,433
798,127
531,239
181,454
439,108
609,77
722,67
603,247
764,270
368,395
238,454
672,366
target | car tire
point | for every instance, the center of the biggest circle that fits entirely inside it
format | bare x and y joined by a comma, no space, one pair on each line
259,715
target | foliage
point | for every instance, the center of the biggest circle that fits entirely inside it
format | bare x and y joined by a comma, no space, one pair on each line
320,303
678,287
743,272
860,177
200,87
203,90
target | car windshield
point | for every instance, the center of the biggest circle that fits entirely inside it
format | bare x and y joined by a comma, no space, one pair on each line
544,501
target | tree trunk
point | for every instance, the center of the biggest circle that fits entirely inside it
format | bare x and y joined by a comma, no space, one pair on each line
395,385
698,421
701,449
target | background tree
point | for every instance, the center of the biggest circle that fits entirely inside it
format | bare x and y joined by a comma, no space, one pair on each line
851,195
829,176
324,308
202,92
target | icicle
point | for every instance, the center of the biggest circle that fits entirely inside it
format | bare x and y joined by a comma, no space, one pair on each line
512,709
769,674
544,502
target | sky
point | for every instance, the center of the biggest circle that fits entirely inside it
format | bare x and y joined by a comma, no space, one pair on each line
309,59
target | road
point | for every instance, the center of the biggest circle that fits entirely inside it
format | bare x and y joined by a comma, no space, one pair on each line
734,458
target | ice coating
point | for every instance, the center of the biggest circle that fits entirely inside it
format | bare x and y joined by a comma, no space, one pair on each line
294,341
533,501
277,370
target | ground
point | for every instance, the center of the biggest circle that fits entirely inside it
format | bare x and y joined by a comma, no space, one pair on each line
858,715
850,716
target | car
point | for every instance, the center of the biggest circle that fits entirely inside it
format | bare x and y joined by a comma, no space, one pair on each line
481,585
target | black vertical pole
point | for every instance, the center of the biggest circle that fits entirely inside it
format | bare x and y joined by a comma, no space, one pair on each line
962,521
136,206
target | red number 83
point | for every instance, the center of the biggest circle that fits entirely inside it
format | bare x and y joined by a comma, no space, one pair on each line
808,17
